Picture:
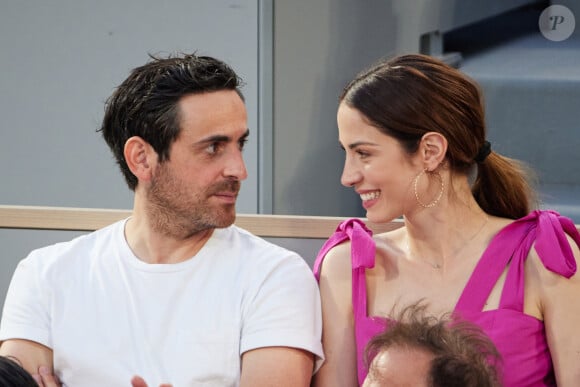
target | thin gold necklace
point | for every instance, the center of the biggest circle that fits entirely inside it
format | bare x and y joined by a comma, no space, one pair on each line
438,266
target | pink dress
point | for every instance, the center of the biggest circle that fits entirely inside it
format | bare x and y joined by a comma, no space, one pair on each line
520,338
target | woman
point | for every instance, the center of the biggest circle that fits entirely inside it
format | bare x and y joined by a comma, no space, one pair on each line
414,138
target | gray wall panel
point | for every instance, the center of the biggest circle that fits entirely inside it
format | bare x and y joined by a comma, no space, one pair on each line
319,46
62,59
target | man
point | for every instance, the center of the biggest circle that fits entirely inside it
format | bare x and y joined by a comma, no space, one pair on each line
175,293
421,351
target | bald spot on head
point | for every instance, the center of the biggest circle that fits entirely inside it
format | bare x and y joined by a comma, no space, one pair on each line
400,366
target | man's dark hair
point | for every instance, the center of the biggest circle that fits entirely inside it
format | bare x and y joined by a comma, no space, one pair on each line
145,104
13,375
463,356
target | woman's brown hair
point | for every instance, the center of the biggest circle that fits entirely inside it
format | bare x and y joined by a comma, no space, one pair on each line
411,95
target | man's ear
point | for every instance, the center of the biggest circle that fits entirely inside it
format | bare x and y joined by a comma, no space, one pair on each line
433,148
139,156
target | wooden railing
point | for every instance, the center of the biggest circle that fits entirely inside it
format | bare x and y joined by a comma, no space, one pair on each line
89,219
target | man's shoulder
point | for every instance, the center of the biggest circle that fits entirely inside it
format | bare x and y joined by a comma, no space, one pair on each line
257,251
66,251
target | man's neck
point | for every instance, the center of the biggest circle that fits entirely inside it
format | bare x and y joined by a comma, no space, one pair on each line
154,247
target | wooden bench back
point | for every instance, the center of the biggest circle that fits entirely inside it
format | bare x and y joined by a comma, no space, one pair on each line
89,219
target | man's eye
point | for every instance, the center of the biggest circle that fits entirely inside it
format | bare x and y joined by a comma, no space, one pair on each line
213,148
242,143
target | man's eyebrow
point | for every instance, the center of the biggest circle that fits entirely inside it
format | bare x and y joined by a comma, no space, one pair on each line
215,138
222,138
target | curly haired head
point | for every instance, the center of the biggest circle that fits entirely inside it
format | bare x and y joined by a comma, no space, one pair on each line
462,355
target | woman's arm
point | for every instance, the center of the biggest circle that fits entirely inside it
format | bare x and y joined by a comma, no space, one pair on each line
338,337
560,297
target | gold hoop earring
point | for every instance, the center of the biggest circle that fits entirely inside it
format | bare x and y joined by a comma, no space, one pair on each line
436,200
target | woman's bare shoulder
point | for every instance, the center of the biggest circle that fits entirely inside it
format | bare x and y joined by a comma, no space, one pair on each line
337,262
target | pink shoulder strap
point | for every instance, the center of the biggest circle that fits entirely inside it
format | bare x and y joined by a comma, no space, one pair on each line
547,229
548,235
362,254
552,245
363,246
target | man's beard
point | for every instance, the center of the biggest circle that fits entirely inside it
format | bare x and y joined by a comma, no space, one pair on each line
176,212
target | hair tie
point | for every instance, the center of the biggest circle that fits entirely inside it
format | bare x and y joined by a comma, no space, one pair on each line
484,151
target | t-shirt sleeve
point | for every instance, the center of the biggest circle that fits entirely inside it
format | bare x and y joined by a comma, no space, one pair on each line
25,314
285,310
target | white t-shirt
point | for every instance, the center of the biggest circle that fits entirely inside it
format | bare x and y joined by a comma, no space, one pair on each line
108,315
